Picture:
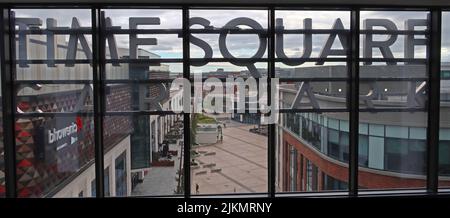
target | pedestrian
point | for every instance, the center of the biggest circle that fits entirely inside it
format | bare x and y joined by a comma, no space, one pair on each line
196,188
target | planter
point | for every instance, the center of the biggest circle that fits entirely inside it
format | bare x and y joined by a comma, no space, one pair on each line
163,163
173,153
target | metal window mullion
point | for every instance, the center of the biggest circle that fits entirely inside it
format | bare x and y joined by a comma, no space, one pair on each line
434,69
186,115
99,95
354,103
272,131
8,108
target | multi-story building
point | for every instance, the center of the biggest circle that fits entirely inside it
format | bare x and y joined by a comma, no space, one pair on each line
313,148
55,155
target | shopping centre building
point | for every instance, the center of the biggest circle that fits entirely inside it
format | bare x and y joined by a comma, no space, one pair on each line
55,156
313,149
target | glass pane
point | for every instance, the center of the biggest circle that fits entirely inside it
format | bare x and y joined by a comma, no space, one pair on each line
225,70
225,44
310,71
384,81
157,44
140,71
54,76
393,75
292,44
321,152
50,152
229,154
395,154
390,44
444,121
142,97
313,95
146,153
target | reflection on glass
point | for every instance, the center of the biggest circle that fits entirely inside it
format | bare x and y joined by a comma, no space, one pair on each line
393,86
311,71
313,95
143,97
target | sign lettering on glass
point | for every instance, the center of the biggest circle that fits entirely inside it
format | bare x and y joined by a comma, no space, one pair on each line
78,40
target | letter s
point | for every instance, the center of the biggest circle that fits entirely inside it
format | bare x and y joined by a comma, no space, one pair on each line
199,42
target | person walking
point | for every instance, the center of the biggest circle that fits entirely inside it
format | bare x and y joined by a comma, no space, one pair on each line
196,188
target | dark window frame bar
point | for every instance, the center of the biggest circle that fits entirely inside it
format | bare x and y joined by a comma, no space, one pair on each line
8,67
186,116
434,72
98,67
354,104
271,138
8,110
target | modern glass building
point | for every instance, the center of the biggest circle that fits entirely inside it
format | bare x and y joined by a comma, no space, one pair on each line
101,100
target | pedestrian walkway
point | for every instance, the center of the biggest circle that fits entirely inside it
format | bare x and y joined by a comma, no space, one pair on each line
160,180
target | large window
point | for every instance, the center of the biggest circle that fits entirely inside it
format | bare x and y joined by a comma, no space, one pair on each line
59,144
143,56
322,139
393,85
181,101
311,53
229,145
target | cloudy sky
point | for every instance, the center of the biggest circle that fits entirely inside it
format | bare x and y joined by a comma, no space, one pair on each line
170,46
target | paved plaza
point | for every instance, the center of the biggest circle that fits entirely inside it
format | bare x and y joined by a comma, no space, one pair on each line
160,180
238,164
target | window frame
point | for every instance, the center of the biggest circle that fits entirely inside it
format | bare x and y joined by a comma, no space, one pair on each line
98,63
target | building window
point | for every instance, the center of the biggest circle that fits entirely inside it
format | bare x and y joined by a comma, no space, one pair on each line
407,156
331,183
333,144
121,175
363,150
293,168
107,183
50,149
311,176
93,190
